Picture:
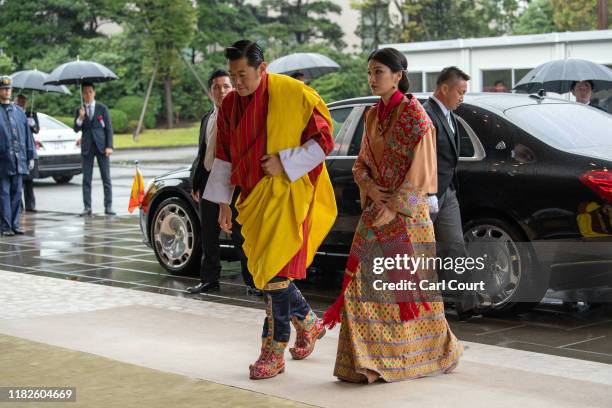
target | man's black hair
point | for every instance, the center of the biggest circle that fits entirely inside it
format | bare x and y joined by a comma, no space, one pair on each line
575,82
245,49
84,84
451,73
217,73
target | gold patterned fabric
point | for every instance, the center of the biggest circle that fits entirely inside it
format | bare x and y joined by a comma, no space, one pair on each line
375,341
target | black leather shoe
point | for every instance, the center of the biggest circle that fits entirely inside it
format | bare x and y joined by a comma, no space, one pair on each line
109,212
8,234
19,231
31,210
204,287
86,213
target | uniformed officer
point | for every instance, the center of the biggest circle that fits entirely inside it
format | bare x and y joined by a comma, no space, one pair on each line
17,156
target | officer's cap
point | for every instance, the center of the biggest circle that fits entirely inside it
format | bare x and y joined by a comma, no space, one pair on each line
6,82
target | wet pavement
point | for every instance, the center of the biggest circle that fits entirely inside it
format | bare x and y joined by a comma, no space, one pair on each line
109,251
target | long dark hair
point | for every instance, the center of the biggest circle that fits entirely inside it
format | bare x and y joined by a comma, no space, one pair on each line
396,61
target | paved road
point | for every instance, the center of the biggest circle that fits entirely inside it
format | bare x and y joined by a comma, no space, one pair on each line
154,162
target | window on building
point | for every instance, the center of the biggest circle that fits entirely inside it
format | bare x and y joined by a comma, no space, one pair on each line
497,80
430,81
416,81
520,74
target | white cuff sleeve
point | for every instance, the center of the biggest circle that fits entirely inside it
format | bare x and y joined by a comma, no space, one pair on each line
298,161
79,122
218,188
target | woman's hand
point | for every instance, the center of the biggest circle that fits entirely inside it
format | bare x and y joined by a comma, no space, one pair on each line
385,215
379,195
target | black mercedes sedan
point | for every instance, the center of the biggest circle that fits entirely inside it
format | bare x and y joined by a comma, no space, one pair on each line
535,189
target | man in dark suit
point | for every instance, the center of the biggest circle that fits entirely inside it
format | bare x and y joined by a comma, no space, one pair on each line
96,142
451,85
219,85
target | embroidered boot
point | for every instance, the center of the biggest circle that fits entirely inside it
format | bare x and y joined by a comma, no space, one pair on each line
308,331
270,363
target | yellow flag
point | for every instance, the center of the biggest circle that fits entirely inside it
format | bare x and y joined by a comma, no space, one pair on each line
138,191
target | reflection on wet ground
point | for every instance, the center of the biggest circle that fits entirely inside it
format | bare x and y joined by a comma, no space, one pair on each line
109,251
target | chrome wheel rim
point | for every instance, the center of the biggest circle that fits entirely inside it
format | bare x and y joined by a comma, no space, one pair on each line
502,259
173,236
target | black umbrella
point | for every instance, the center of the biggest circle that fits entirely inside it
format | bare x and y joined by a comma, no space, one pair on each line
33,80
558,76
78,72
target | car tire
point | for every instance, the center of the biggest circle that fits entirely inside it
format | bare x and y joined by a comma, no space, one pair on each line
514,281
62,179
175,237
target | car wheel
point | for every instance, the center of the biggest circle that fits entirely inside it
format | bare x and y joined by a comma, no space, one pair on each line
175,237
514,282
62,179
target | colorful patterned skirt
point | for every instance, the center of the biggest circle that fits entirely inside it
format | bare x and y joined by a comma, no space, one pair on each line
375,344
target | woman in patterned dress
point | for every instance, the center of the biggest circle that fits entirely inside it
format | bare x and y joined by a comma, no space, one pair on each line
393,335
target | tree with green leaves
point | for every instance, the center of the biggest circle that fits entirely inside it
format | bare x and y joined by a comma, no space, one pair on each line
222,22
576,15
538,18
375,24
166,27
293,23
29,28
430,20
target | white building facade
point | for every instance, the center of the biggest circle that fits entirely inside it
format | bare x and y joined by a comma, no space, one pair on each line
507,59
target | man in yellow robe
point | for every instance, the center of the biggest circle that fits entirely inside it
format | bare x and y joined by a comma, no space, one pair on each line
273,134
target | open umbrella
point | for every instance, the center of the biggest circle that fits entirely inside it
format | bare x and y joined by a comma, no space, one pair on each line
558,76
33,80
78,72
311,64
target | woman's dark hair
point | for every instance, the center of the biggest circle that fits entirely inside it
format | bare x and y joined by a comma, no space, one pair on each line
245,49
217,73
396,61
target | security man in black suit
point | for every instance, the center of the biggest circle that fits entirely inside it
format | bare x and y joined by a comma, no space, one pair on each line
219,85
451,85
96,142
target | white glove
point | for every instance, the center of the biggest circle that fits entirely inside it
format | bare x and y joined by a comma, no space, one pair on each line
31,165
432,200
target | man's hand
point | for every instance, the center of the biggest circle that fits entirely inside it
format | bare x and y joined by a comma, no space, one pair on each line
31,165
225,217
82,113
379,195
108,151
78,142
271,165
384,216
195,195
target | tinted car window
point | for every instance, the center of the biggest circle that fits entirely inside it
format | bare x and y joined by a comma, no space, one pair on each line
47,122
339,116
466,148
356,139
565,126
